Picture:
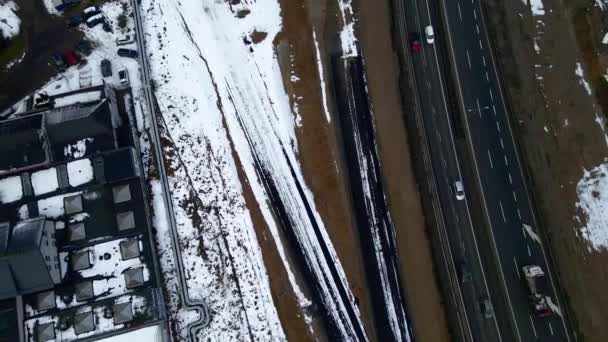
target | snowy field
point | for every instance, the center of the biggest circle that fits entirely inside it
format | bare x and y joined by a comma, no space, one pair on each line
219,87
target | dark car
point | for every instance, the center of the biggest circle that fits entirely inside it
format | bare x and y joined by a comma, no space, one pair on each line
90,11
106,68
415,41
127,53
84,48
74,21
70,57
95,20
58,62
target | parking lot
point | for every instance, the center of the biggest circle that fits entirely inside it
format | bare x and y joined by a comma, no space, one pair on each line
44,35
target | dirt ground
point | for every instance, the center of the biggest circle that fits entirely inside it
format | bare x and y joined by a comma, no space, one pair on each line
558,132
423,299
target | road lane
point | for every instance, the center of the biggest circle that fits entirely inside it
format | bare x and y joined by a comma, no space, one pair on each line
504,183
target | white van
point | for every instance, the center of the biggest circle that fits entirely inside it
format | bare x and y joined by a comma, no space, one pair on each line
430,34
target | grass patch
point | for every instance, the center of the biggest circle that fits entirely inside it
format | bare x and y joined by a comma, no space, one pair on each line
14,50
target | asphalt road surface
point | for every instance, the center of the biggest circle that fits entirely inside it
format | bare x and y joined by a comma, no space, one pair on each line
437,116
505,199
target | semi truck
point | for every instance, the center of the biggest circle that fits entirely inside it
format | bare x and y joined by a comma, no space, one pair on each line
535,279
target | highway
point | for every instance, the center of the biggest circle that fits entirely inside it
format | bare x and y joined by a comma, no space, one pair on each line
454,217
505,200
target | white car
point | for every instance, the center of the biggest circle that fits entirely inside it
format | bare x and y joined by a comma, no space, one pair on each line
459,190
123,77
430,34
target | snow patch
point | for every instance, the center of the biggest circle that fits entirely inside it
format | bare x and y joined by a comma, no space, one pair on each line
80,172
45,181
347,35
578,71
9,21
321,77
537,7
592,191
11,189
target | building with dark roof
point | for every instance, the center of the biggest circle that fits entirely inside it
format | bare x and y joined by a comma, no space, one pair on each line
75,242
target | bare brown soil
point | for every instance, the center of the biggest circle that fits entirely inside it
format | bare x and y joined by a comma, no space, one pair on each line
423,298
318,152
573,141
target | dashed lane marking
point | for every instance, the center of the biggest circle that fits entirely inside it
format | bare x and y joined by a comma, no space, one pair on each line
533,327
498,126
506,160
469,59
514,197
529,251
504,218
516,268
490,158
518,214
494,109
510,179
459,11
550,328
491,95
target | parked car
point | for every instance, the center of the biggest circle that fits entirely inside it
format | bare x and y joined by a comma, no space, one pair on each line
127,53
123,77
42,100
430,34
415,41
106,68
90,11
124,39
74,21
57,62
95,20
70,57
84,48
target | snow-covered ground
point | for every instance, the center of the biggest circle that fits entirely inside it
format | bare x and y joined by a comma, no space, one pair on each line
9,21
217,85
592,190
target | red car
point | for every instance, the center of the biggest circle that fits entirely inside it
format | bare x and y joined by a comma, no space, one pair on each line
415,41
70,57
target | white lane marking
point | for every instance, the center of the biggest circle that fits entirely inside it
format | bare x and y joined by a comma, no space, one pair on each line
469,59
490,158
532,233
428,84
445,165
498,126
478,107
433,109
487,77
506,161
533,327
518,214
477,28
480,46
459,11
483,59
510,179
529,251
523,230
514,197
474,12
494,109
504,218
491,95
550,328
502,144
516,268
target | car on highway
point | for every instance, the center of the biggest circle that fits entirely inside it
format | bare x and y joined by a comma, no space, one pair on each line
459,190
127,53
464,274
415,41
486,308
430,34
106,68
